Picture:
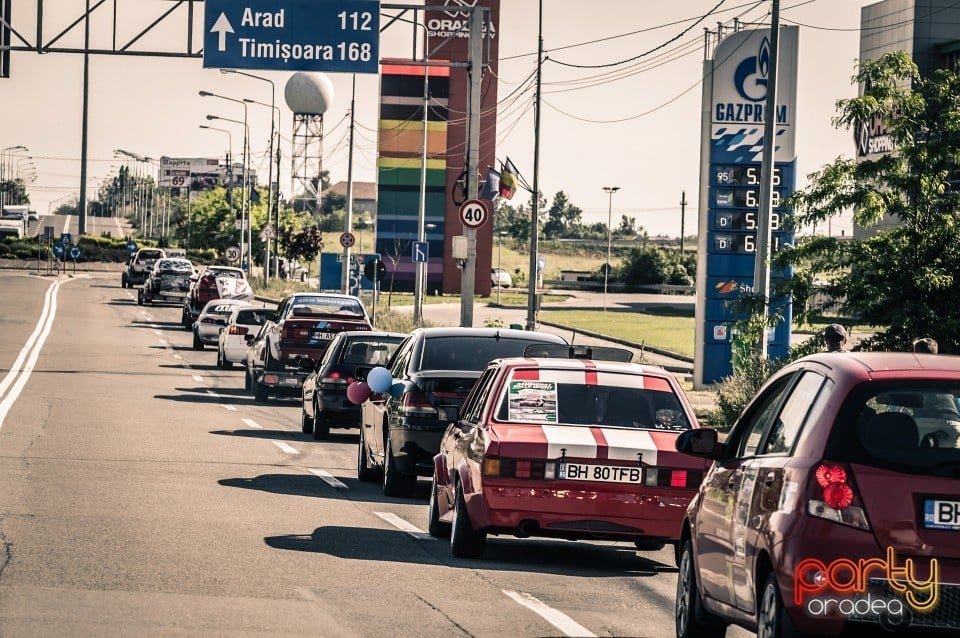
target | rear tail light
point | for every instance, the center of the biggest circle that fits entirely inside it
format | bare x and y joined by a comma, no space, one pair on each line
832,494
415,403
294,332
238,330
208,281
335,381
208,320
669,477
519,468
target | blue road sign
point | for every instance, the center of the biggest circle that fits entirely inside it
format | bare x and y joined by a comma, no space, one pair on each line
420,252
293,35
66,239
59,249
74,253
132,247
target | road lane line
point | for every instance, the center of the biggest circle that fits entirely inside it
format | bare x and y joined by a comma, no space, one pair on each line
15,368
225,406
404,526
286,448
329,479
199,380
251,423
24,375
177,356
558,619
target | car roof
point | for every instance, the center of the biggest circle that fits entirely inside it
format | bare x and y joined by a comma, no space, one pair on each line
446,331
225,268
581,364
371,333
871,364
327,295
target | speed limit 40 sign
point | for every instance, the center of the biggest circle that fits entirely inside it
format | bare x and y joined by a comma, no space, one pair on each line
473,213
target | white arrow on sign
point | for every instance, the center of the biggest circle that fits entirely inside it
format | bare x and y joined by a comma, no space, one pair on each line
222,27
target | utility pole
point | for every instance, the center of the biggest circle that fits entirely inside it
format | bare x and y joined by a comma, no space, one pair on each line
683,214
761,272
535,208
348,221
467,281
82,205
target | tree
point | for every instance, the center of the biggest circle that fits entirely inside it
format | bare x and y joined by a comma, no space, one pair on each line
562,217
902,278
628,225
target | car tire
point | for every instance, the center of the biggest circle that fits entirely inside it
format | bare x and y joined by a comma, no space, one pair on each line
772,618
197,343
260,392
365,473
184,320
649,545
123,281
246,379
436,527
140,297
222,362
321,427
691,619
465,542
306,423
395,483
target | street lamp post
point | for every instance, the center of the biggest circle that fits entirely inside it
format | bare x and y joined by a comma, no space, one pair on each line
610,190
229,174
3,176
270,194
270,199
245,209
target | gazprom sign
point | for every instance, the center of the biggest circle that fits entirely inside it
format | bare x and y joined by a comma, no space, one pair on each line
735,94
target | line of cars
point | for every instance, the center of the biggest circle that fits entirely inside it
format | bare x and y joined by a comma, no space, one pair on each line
833,504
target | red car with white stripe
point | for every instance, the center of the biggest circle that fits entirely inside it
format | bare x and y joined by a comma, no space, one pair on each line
565,448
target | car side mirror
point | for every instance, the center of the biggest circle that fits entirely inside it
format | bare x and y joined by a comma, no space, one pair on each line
362,372
248,338
448,413
701,442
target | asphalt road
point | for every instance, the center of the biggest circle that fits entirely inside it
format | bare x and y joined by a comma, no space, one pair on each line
115,226
143,492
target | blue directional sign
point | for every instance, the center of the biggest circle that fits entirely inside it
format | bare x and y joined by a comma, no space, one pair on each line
132,247
59,249
293,35
74,253
420,252
66,239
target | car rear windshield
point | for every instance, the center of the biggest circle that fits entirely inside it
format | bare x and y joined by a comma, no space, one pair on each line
367,351
563,397
911,427
253,317
216,272
469,352
220,309
150,254
319,305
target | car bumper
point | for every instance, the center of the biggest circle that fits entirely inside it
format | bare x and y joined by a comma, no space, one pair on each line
234,353
284,381
337,409
567,510
414,449
137,278
210,336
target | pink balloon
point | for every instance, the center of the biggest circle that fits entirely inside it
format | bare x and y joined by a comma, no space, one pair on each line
358,392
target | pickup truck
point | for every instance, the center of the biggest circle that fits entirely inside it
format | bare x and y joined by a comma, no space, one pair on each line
303,327
13,222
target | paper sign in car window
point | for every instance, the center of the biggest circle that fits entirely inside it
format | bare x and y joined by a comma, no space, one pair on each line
532,402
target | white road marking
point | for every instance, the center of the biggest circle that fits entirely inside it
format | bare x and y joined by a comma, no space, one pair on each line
558,619
225,406
199,379
251,423
329,479
404,526
228,407
17,377
66,223
157,332
116,220
176,356
286,448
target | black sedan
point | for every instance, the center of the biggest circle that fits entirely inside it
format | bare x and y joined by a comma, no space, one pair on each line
325,402
399,435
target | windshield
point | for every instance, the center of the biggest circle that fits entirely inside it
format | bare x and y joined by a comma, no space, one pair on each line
370,351
254,316
469,352
911,427
563,397
320,305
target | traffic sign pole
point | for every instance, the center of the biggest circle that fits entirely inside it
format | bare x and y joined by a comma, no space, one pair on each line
468,275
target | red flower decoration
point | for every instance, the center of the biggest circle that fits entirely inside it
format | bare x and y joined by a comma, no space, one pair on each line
827,474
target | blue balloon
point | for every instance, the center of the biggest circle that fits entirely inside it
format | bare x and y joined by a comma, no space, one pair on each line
379,379
396,390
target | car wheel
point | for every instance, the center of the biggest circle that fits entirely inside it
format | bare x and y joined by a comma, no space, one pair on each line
395,483
772,619
139,297
197,343
123,281
184,320
465,542
364,472
246,379
436,527
692,620
260,392
321,427
649,545
306,423
222,362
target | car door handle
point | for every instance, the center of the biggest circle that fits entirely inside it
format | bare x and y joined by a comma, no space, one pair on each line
769,479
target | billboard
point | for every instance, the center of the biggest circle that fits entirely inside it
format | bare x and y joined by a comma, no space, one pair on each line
735,93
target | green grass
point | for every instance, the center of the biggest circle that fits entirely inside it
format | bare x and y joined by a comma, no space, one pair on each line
664,330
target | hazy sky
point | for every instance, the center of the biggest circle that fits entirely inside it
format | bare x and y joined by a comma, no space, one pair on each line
634,125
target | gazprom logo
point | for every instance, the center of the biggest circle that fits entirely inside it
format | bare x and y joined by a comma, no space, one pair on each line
750,80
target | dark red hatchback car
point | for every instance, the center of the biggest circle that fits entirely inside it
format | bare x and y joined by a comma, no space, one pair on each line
833,506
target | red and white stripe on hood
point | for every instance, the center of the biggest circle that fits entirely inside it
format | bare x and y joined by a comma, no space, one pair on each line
231,287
